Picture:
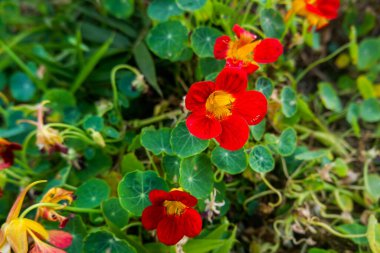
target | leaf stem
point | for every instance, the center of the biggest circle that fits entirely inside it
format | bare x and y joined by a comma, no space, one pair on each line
277,192
155,119
132,224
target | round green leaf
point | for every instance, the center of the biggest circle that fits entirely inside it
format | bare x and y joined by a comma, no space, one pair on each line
102,241
369,53
265,86
191,5
171,165
22,88
168,39
210,65
91,193
162,10
288,101
272,23
258,130
370,110
130,163
96,163
288,142
329,97
135,187
312,155
94,122
119,8
196,175
115,213
77,229
232,162
184,143
157,141
59,99
203,40
261,159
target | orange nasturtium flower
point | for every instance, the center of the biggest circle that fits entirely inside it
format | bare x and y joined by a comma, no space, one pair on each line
17,232
48,140
172,214
6,153
317,12
55,196
245,51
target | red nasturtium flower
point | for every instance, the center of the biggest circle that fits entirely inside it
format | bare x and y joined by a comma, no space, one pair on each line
6,153
172,214
317,12
224,109
245,51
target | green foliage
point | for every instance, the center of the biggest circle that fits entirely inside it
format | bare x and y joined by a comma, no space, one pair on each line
103,241
272,23
91,193
261,160
232,162
203,40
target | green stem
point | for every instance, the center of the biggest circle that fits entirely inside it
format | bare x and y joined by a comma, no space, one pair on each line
220,174
277,192
13,174
247,10
132,224
259,195
152,163
155,119
26,211
334,232
81,210
320,61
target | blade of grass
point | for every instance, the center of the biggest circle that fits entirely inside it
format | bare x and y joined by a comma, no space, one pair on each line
90,65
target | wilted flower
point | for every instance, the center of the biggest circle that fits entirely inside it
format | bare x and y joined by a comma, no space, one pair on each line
245,51
172,214
212,205
224,109
55,196
17,232
6,153
317,12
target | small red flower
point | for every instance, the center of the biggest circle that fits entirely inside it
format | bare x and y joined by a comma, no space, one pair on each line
245,51
6,153
172,214
317,12
224,109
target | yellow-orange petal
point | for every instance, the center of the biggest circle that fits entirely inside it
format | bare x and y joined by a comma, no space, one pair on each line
16,235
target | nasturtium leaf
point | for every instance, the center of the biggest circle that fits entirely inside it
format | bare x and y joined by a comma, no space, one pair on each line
130,163
77,229
373,186
93,122
287,142
103,241
97,161
329,97
258,130
171,165
232,162
203,40
272,23
352,117
3,81
115,213
135,187
157,141
184,143
373,234
91,193
369,53
365,87
119,8
167,39
370,110
124,84
288,101
260,159
162,10
111,132
60,178
312,155
272,142
318,250
185,55
340,168
291,162
203,245
190,5
22,88
210,65
196,175
354,229
59,99
344,201
265,86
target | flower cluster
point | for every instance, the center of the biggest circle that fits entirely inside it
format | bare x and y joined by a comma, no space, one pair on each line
17,232
317,12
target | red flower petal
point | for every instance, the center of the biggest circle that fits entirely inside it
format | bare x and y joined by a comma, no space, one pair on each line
234,134
221,47
202,126
60,239
327,9
192,222
241,32
197,96
158,196
251,105
267,51
231,80
250,68
152,215
170,230
184,197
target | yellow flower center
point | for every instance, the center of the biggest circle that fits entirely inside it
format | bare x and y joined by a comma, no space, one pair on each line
174,207
219,104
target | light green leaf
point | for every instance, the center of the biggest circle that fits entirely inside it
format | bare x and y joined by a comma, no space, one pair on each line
370,110
265,86
162,10
22,88
91,193
157,141
103,241
191,5
119,8
261,160
288,101
365,87
272,23
232,162
258,130
329,97
115,213
288,142
203,40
